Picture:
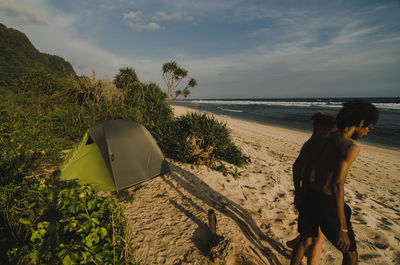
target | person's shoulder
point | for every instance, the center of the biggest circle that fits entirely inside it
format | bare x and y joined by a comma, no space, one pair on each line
351,150
350,145
305,146
353,147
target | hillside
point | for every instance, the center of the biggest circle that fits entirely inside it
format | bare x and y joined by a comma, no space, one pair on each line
18,58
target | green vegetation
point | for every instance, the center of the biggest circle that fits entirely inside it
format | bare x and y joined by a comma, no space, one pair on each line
45,109
53,222
126,79
19,59
234,171
173,75
198,138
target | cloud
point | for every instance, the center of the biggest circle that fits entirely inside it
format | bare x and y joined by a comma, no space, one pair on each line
19,14
349,34
134,20
58,36
164,17
154,26
389,39
136,16
293,52
138,26
177,16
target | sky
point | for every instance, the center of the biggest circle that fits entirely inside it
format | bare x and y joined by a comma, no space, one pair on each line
233,48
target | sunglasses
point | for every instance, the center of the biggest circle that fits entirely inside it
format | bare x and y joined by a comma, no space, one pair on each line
369,127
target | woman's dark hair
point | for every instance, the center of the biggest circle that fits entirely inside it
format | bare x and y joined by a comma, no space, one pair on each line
323,120
353,112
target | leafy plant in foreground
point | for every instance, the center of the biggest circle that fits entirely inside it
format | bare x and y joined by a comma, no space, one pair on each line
53,222
235,172
19,156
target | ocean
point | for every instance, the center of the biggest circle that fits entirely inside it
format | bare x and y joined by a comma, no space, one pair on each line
295,113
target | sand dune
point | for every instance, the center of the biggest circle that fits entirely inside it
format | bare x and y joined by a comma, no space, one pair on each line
168,214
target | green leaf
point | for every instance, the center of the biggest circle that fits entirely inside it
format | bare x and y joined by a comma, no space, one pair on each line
51,196
34,256
24,221
35,235
89,240
84,256
67,260
74,256
96,221
91,204
82,216
103,232
62,253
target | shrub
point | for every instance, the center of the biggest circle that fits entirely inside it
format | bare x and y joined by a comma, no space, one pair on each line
198,138
54,222
39,82
126,79
150,102
169,139
69,122
19,153
85,90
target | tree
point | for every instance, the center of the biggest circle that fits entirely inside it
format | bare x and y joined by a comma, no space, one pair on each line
126,79
173,75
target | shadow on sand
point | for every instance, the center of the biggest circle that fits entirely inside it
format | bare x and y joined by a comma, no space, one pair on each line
230,209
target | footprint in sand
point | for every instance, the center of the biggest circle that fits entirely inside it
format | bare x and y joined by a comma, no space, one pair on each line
385,224
385,221
380,242
281,195
359,196
396,259
365,257
328,259
358,219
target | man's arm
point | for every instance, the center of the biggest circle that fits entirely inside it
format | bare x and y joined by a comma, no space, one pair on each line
298,171
338,193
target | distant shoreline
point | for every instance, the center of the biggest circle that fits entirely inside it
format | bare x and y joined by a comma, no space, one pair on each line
295,114
282,127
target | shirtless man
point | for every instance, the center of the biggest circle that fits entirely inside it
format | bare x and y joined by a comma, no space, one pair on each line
330,159
323,126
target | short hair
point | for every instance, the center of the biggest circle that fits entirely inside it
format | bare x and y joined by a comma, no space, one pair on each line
353,112
323,120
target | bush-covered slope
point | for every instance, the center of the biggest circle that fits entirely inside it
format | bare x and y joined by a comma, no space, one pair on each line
18,58
47,221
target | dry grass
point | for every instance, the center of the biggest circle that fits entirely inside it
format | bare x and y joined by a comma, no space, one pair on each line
198,151
99,91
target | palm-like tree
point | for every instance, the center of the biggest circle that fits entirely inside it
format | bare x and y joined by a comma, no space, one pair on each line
173,75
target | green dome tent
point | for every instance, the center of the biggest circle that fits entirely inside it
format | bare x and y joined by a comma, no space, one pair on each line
114,155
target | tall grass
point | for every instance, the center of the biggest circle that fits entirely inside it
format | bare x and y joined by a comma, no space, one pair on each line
89,89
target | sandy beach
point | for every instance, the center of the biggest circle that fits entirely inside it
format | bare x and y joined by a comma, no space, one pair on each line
255,213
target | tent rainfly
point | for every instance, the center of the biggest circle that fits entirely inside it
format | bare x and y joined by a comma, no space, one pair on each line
114,155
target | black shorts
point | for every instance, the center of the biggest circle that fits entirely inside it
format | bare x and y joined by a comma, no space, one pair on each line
318,210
